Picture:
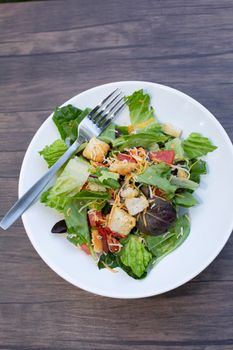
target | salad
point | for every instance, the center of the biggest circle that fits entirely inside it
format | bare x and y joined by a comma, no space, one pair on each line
122,194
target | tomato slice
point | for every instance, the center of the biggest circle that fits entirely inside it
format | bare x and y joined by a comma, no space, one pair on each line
127,157
85,248
166,156
95,217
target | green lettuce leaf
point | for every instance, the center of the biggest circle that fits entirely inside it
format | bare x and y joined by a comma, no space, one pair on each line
139,108
135,256
55,202
67,184
185,199
164,244
183,183
197,145
142,139
91,195
156,175
122,129
109,179
67,119
53,152
72,178
176,145
105,178
197,169
76,221
108,135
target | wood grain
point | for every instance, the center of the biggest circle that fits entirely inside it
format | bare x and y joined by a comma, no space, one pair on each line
52,50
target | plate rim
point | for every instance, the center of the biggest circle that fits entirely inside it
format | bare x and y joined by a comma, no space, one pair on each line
63,275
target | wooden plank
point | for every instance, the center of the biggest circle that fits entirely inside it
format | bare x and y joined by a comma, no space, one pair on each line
19,127
86,13
39,92
50,51
25,121
175,324
186,62
11,163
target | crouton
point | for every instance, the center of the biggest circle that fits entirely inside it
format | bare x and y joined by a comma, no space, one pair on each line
169,129
121,222
96,150
129,192
182,174
97,241
136,205
122,167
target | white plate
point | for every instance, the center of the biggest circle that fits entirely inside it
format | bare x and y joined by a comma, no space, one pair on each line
211,220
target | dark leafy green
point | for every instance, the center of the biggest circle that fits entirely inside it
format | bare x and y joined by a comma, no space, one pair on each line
67,119
75,214
109,260
156,219
156,175
183,183
185,199
162,245
197,169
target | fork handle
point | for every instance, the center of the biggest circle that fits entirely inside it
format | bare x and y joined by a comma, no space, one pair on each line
33,193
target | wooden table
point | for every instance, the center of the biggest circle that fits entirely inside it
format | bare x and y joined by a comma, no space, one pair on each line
52,50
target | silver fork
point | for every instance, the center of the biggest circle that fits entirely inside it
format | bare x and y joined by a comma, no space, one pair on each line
92,125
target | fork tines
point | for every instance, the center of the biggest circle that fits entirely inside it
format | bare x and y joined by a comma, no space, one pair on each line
106,110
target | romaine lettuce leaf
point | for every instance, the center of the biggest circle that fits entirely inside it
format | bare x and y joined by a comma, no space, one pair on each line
76,221
135,256
142,139
91,195
53,152
164,244
197,145
67,119
156,175
55,202
72,178
109,179
141,114
67,184
176,145
108,135
162,169
183,183
185,199
106,178
122,130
